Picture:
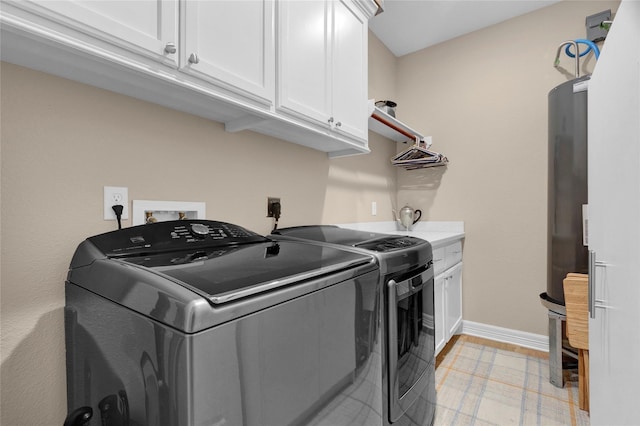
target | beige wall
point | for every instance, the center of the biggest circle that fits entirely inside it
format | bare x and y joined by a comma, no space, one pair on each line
483,97
382,70
63,141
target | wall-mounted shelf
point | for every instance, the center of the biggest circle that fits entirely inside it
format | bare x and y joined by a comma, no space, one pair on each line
418,156
390,127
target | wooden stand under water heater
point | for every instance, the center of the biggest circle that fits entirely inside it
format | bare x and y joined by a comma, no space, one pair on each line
576,302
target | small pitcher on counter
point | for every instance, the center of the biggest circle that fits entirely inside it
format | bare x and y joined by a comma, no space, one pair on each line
407,216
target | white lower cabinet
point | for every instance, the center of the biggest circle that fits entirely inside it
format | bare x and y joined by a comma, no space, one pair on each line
453,300
439,305
447,292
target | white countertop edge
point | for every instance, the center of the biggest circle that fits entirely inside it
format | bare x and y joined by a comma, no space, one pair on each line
437,233
428,226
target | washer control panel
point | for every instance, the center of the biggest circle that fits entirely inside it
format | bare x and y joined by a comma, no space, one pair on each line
172,236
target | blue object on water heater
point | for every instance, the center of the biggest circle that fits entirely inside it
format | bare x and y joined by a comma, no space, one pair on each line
590,46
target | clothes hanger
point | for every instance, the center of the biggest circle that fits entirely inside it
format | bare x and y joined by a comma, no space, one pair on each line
417,150
418,156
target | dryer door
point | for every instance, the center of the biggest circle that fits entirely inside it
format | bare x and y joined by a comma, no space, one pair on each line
411,340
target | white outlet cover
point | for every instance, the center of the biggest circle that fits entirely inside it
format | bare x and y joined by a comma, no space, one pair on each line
111,193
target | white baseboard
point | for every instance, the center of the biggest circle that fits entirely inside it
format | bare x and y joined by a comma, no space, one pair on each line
506,335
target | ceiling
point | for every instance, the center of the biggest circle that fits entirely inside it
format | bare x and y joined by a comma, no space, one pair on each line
406,26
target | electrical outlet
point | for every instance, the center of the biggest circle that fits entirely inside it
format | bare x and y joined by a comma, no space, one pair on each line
116,195
270,202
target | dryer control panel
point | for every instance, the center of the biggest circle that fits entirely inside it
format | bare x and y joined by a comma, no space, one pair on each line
172,236
390,243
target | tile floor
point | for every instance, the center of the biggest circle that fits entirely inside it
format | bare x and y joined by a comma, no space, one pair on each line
482,383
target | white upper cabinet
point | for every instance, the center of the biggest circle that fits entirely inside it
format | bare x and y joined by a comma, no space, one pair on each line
231,44
212,58
349,71
322,63
145,27
303,55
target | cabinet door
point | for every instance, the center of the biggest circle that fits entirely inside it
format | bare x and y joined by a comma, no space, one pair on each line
439,311
230,43
303,59
614,228
144,27
349,70
453,297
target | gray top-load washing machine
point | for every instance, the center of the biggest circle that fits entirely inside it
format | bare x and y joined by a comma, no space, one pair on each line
408,321
206,323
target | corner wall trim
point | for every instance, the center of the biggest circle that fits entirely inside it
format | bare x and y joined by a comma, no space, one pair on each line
506,335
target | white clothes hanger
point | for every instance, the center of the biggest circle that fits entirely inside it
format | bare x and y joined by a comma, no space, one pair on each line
418,156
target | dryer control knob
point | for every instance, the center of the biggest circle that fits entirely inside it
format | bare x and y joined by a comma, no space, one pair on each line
199,230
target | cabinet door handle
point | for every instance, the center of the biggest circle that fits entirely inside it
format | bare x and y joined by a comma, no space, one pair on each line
170,48
591,283
193,58
338,124
593,302
330,120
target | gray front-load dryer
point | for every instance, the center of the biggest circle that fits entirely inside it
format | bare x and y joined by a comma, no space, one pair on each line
408,319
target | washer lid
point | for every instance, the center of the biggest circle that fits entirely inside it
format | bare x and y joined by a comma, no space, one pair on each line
196,274
226,273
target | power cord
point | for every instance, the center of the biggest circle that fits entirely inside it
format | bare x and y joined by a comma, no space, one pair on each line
276,209
117,209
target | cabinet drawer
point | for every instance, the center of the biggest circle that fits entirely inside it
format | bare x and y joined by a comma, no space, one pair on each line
453,254
439,260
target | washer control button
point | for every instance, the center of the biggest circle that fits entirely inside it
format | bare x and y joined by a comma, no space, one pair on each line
199,230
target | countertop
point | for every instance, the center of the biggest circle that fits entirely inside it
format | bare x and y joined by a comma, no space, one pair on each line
437,233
